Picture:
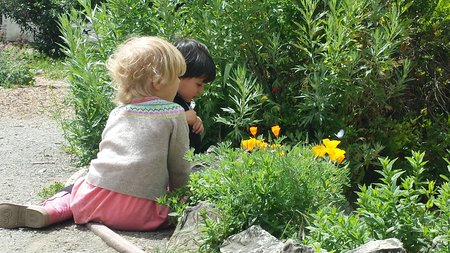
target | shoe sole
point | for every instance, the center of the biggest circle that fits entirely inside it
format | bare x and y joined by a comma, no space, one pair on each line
14,216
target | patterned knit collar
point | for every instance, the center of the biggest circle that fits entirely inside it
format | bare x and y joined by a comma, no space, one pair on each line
146,99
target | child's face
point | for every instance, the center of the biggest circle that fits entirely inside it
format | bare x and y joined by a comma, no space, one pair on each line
191,88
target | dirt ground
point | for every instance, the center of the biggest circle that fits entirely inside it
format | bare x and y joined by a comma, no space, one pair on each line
32,157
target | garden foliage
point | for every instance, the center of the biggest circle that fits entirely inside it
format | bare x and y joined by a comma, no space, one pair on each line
378,69
312,66
275,188
14,69
403,205
90,88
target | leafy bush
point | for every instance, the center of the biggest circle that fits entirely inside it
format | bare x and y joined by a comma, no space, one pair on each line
274,188
90,90
442,201
14,70
429,47
319,66
400,206
40,17
256,35
246,97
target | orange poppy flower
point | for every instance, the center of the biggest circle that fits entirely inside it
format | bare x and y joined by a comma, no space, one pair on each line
253,130
276,130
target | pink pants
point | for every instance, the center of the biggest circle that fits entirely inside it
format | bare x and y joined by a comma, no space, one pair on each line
88,203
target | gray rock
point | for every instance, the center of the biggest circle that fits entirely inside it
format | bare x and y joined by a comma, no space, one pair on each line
391,245
257,240
440,242
188,236
254,239
291,246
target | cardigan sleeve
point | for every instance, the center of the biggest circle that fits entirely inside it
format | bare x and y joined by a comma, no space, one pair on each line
179,168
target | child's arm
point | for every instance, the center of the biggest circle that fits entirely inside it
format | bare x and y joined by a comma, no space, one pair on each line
179,168
191,117
194,121
197,127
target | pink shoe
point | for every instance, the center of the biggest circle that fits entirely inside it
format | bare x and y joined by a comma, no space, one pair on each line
14,216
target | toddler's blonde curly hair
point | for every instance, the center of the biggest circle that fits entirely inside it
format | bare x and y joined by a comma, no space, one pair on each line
139,63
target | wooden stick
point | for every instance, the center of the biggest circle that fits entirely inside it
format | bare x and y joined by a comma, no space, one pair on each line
114,240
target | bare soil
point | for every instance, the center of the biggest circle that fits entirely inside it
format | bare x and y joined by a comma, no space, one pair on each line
32,157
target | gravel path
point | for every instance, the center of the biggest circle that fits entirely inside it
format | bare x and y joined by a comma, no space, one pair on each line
32,157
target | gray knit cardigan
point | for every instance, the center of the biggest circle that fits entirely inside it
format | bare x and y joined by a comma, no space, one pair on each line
142,150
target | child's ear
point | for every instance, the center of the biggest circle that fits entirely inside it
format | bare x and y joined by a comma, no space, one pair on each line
156,86
156,83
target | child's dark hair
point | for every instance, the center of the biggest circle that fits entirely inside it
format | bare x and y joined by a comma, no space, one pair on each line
199,62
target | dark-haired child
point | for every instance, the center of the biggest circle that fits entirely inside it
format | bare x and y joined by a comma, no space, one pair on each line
200,69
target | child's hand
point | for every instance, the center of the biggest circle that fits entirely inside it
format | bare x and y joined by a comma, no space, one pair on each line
194,121
191,117
198,126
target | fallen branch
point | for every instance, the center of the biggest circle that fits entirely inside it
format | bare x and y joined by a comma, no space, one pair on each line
114,240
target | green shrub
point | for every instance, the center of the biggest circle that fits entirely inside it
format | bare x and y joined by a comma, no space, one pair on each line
50,68
246,97
40,17
274,188
442,202
429,48
319,66
90,90
416,131
14,70
403,205
332,229
256,35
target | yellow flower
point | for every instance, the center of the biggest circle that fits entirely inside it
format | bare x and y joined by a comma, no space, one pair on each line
253,130
340,158
330,144
319,150
275,145
261,144
276,130
244,144
330,148
337,154
249,144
